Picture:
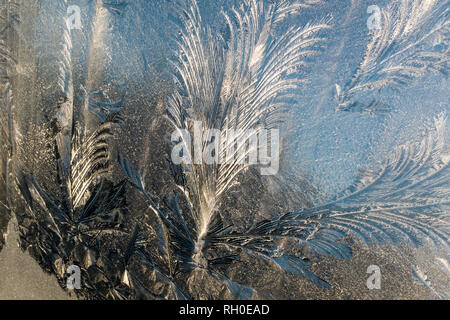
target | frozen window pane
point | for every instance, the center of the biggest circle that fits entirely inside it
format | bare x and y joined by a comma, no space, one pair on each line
165,149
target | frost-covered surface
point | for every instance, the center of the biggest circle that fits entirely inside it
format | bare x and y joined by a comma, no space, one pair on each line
87,116
9,12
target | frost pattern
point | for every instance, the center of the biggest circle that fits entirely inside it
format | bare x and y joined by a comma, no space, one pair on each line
412,41
10,18
179,246
240,84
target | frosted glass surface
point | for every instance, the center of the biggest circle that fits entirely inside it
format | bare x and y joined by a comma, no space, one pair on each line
270,149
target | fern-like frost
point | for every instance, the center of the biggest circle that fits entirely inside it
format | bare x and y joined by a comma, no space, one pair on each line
411,41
